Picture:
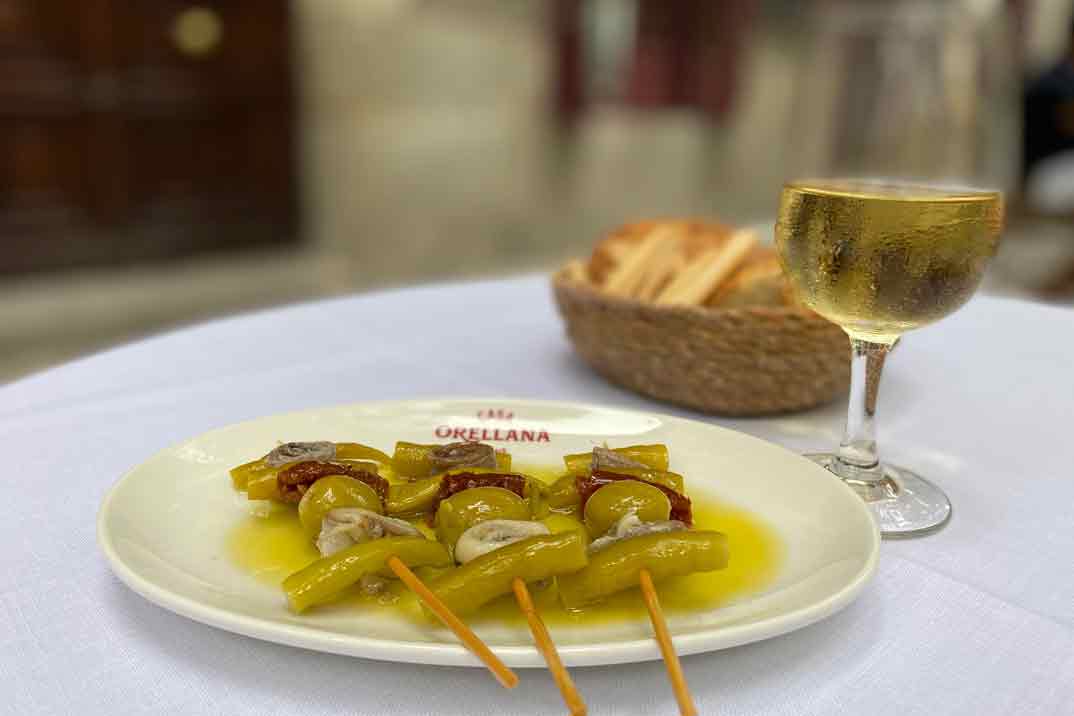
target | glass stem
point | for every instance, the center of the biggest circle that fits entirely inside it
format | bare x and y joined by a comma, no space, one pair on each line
858,457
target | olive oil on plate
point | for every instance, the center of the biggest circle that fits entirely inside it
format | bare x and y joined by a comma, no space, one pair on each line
270,545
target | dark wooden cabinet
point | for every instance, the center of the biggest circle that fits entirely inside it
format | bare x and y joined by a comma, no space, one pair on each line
143,129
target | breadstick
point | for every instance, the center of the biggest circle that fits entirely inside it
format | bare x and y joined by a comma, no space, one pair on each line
661,271
689,273
693,285
575,270
619,250
627,276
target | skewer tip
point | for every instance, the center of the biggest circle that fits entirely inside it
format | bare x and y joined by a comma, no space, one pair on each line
547,647
507,678
667,648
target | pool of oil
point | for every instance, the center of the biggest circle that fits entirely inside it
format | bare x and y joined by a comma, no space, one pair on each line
270,544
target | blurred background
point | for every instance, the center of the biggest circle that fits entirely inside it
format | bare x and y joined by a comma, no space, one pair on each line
164,161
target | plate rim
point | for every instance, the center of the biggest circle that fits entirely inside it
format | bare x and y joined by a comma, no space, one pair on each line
450,654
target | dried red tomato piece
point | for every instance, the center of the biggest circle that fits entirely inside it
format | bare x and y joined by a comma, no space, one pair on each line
293,481
681,507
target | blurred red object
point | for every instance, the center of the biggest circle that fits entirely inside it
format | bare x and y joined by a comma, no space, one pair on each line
686,54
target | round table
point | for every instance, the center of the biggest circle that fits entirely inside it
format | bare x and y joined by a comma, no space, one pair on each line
977,619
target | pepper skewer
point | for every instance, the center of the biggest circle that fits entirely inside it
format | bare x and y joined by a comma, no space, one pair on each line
507,678
667,649
547,647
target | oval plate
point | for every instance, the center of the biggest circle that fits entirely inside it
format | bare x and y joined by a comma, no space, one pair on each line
164,529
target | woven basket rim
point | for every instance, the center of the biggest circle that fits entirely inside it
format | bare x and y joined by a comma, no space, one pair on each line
561,281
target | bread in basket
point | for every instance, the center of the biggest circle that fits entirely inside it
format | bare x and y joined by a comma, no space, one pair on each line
696,314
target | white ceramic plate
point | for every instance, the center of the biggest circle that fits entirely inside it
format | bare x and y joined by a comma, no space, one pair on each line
164,529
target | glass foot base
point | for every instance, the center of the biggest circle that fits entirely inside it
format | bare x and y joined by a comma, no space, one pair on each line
904,504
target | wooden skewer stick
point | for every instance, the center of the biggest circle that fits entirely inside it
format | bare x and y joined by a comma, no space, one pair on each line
547,647
507,678
667,649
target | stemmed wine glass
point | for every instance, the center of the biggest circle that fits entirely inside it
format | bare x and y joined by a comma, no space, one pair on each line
880,258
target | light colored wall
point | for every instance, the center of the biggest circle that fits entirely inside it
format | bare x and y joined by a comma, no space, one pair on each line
420,129
1048,32
428,151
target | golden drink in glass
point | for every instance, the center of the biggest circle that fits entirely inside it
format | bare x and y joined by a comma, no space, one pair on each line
880,258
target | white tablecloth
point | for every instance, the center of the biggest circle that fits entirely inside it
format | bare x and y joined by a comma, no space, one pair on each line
978,619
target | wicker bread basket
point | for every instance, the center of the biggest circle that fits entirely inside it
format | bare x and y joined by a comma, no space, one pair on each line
729,361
